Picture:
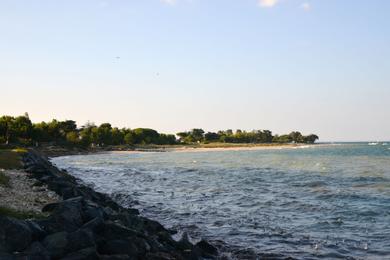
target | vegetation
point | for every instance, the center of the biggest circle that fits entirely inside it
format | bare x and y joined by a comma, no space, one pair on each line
10,159
255,136
9,212
4,180
20,130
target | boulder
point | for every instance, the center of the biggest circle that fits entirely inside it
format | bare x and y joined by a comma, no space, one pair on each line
83,254
37,231
37,250
82,238
68,214
119,247
56,244
206,249
15,235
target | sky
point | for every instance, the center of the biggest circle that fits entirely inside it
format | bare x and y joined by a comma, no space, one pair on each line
319,66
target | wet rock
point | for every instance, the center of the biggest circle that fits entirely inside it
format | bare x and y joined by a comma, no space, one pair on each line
68,214
119,247
36,249
56,244
83,254
6,256
115,257
113,230
37,231
82,238
92,211
15,235
206,249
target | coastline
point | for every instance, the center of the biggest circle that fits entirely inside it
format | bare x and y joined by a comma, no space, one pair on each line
55,151
85,224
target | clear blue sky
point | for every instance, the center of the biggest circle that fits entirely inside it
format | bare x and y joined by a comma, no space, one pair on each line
315,66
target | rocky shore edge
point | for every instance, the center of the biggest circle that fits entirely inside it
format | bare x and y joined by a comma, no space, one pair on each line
88,225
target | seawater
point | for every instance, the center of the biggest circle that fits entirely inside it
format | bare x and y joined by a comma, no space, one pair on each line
325,201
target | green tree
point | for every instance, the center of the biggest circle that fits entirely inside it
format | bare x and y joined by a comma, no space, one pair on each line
73,138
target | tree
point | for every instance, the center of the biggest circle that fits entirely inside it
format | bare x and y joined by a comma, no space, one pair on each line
6,128
210,137
130,138
182,136
73,138
310,139
296,137
197,135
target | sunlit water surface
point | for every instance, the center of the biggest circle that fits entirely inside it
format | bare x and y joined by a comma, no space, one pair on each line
319,202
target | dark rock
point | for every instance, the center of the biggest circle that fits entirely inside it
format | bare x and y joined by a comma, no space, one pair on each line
184,242
50,207
68,214
93,211
6,256
37,231
119,247
116,231
206,249
80,239
115,257
95,225
37,250
56,244
159,256
83,254
15,235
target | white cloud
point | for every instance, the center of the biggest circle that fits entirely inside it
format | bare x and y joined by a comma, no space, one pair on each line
268,3
169,2
306,6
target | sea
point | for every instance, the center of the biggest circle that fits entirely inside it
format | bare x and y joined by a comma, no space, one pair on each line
325,201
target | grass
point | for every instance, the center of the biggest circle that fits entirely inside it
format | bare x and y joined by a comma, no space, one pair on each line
4,180
11,159
8,212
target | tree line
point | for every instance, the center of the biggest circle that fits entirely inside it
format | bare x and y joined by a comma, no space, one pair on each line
20,130
239,136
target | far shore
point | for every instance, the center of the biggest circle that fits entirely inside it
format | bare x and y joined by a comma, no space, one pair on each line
55,151
213,147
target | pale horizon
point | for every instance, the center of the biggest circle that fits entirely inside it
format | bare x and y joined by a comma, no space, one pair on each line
309,66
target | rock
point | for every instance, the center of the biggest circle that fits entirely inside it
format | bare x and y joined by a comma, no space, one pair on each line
206,249
80,239
68,214
95,225
15,235
116,231
115,257
93,211
37,250
37,232
6,256
56,244
119,247
83,254
184,242
50,207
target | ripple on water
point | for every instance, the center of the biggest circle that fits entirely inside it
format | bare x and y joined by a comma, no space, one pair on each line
326,202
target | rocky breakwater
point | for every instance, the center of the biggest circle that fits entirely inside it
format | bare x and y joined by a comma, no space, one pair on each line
88,225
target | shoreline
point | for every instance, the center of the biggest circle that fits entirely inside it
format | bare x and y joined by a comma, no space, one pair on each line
85,224
56,151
